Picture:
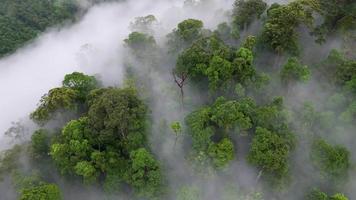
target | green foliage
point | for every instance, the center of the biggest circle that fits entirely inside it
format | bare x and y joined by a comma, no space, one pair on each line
338,15
245,11
332,161
87,171
218,72
184,35
9,160
145,175
81,83
243,64
22,20
339,196
190,29
346,72
73,146
41,192
176,127
230,114
227,33
270,152
221,153
210,59
40,144
141,44
293,71
118,117
316,194
200,129
279,30
144,24
226,115
57,99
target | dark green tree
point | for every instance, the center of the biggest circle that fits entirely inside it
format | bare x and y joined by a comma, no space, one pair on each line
246,11
332,161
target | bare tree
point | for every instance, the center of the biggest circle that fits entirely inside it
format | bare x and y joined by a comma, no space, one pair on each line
180,80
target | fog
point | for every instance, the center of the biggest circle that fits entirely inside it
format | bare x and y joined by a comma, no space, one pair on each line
93,46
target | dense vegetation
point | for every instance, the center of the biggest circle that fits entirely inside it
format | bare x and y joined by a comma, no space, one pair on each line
22,20
248,113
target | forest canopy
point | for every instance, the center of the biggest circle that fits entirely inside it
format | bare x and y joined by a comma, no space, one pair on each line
261,106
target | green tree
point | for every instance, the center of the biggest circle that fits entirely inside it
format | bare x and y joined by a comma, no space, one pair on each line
81,83
332,161
57,99
144,24
118,117
141,44
184,35
40,144
87,171
221,153
22,20
246,11
73,146
339,196
293,71
316,194
41,192
270,153
177,129
230,114
279,29
145,174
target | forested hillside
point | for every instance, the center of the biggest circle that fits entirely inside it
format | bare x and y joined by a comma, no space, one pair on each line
260,107
22,20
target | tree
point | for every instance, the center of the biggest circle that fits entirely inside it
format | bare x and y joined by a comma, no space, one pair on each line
338,15
177,129
339,196
245,11
118,117
242,64
73,147
57,99
209,59
9,160
332,161
81,83
87,171
270,153
279,29
41,192
316,194
218,72
144,24
226,33
184,35
142,45
221,153
22,21
145,174
230,115
40,144
293,71
349,115
200,128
